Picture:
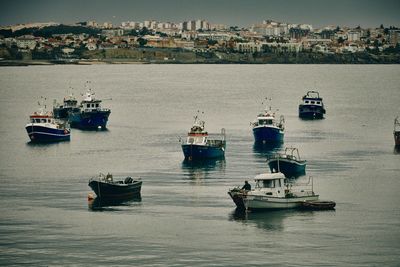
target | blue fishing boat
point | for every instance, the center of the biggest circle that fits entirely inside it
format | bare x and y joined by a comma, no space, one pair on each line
61,111
199,144
266,129
90,115
42,127
288,163
312,106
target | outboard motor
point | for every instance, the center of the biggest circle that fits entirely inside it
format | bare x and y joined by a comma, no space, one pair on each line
128,180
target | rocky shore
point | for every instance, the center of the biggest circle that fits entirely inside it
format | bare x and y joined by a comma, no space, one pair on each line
173,56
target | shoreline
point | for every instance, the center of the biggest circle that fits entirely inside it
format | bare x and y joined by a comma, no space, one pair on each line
21,63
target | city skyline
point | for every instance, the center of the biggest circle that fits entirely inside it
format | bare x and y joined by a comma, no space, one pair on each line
231,13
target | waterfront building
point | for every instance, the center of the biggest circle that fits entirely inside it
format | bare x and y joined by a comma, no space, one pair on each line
250,47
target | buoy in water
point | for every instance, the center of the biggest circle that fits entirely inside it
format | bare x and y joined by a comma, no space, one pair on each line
90,197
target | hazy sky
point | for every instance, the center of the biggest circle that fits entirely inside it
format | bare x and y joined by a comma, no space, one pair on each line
231,12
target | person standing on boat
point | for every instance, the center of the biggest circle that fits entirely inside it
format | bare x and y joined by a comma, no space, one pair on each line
246,186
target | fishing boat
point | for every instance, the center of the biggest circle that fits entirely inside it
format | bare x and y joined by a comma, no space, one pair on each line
396,132
90,115
199,144
61,111
107,188
288,163
43,127
272,191
312,106
266,129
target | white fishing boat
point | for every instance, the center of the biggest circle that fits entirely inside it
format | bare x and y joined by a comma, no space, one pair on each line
273,192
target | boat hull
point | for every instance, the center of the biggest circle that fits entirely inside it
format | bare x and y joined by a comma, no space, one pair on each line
311,112
396,135
192,152
265,135
289,168
46,134
89,120
260,202
106,190
273,203
238,198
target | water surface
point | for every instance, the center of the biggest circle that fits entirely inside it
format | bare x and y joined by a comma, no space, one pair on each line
185,217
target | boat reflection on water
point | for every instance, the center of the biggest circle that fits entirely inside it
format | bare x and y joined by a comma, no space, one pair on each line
270,221
202,169
265,150
105,204
396,150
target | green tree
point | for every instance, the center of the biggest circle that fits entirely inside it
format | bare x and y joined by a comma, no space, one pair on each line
211,42
142,42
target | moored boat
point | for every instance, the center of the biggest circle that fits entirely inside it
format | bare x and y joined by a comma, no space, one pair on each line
266,129
199,144
90,115
273,192
289,163
318,205
312,106
107,188
43,127
396,132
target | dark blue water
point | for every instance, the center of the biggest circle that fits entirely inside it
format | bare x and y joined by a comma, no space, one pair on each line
185,217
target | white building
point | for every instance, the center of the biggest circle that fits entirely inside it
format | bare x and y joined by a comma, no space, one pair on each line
250,47
353,36
26,42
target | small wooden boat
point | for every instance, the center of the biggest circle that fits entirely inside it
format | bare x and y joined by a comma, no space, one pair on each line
106,187
288,163
318,205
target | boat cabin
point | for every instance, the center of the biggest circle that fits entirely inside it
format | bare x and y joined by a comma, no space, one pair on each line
265,120
91,105
312,98
270,184
70,103
205,139
196,139
312,101
41,119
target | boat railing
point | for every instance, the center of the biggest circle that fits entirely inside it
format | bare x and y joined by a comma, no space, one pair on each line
312,94
309,184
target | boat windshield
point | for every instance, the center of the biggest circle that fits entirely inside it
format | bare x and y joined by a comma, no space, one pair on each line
265,121
269,183
40,120
195,139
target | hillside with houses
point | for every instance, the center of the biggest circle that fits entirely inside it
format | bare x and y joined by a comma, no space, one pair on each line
197,41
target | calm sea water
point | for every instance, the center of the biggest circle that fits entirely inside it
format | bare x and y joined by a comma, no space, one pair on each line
185,217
